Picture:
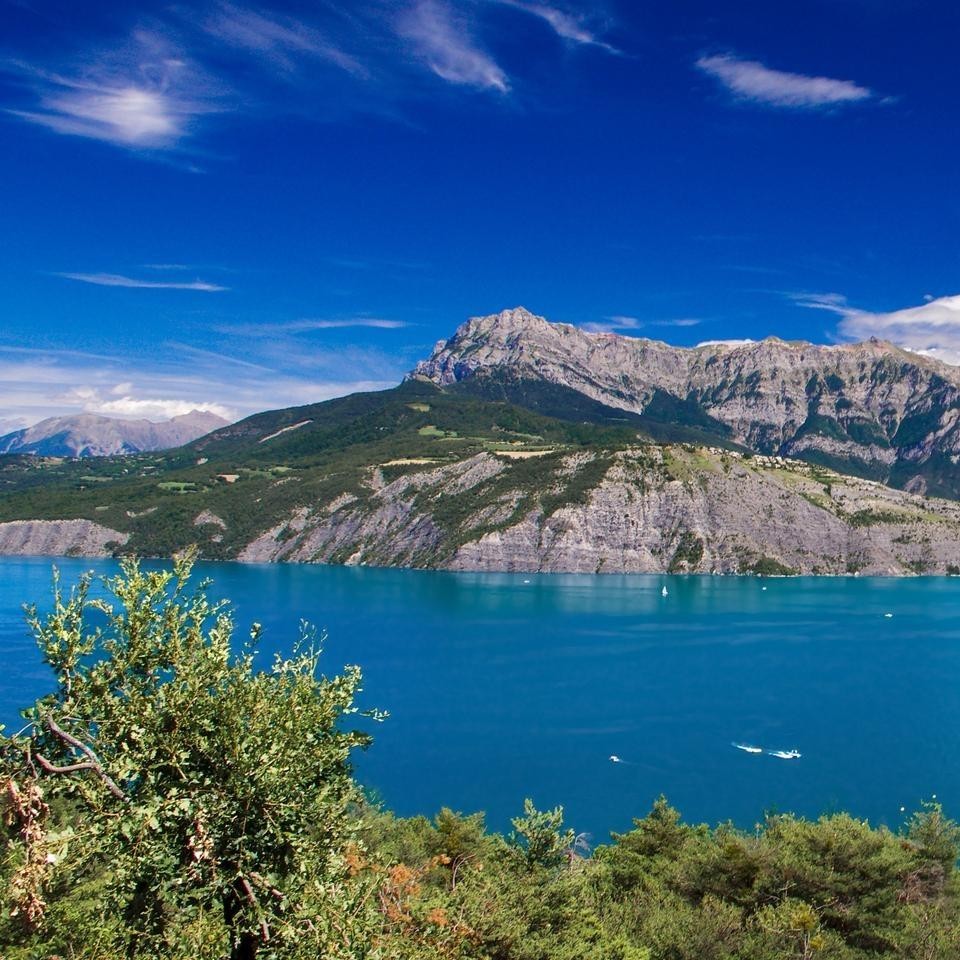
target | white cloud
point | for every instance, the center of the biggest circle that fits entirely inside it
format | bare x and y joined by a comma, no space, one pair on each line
146,94
569,26
154,407
116,280
443,43
118,401
211,356
931,329
128,115
611,324
751,80
155,89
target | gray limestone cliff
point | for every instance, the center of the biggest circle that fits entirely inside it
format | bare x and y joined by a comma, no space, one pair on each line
59,538
640,510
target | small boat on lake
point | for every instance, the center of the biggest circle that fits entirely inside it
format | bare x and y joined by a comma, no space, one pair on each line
663,592
785,754
748,748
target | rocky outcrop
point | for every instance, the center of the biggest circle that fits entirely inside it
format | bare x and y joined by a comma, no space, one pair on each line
641,510
59,538
871,407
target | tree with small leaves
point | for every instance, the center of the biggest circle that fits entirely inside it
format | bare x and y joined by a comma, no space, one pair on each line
210,793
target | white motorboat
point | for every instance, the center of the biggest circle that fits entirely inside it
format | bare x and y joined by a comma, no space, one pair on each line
785,754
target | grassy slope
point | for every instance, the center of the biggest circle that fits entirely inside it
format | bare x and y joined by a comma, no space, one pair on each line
156,497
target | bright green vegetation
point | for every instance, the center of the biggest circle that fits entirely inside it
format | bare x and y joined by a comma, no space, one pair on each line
171,799
769,567
688,554
867,518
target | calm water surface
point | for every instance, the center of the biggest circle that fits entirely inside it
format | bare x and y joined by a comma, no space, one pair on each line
504,686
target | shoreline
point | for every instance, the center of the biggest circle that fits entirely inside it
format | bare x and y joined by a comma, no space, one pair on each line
607,573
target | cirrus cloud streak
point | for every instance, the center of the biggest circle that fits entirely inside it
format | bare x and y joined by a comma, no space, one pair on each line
153,89
752,81
117,280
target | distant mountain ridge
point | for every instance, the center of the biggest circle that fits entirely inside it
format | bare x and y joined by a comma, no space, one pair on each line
94,435
525,445
868,408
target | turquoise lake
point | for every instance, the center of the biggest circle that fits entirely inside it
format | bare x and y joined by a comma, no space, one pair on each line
505,686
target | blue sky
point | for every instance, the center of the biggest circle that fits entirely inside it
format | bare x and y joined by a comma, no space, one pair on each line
238,207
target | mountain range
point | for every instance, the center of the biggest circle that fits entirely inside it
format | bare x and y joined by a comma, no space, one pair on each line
93,435
521,444
869,409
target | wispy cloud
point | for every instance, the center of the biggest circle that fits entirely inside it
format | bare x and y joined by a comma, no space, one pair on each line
307,326
752,81
282,40
931,328
155,89
621,323
212,356
37,383
146,94
612,324
116,280
443,41
569,26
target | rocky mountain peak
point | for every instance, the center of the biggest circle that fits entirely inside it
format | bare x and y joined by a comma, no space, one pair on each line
868,407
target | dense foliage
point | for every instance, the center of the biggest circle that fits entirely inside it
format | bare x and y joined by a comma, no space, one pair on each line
170,799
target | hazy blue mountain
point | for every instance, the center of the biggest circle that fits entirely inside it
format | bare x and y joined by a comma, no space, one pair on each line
93,435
